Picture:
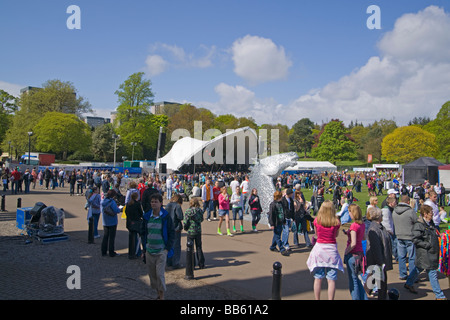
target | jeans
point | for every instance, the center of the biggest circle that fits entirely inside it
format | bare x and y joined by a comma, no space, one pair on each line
174,261
432,275
245,202
406,249
169,193
276,240
256,216
200,258
354,284
394,246
285,233
208,206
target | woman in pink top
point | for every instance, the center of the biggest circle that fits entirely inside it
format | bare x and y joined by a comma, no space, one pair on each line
324,259
354,253
224,210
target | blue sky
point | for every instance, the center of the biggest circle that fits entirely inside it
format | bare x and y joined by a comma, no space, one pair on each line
276,61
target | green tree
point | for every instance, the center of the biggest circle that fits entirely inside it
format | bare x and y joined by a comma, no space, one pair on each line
135,122
103,143
62,133
406,144
8,106
54,96
440,127
302,137
334,143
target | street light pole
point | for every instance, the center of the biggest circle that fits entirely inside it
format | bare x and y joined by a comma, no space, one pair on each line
29,147
114,136
132,155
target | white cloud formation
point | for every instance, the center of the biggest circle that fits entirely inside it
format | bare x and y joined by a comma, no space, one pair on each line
11,88
259,60
155,64
410,78
165,56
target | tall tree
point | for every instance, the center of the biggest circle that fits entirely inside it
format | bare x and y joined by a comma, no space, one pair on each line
8,106
62,133
406,144
302,135
334,143
54,96
135,122
440,127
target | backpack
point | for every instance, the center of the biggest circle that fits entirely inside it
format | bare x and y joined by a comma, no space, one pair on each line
109,211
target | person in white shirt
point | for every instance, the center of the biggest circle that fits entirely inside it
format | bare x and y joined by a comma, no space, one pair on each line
245,185
432,202
169,186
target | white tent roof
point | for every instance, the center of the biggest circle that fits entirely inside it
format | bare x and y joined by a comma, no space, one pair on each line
184,149
312,165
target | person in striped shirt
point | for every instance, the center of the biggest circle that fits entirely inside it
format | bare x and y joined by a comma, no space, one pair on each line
158,236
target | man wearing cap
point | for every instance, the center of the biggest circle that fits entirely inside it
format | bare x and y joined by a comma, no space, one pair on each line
391,193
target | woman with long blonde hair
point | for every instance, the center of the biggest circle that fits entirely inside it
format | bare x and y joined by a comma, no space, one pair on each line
324,259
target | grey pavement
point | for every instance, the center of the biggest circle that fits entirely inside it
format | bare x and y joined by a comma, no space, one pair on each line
237,268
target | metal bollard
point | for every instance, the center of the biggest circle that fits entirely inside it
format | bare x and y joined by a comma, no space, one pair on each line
3,205
189,260
276,281
19,202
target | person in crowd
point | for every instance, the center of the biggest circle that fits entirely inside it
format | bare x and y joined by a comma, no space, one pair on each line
236,202
94,210
245,185
301,219
432,201
109,210
176,214
132,189
134,213
288,206
216,192
277,220
158,235
443,214
344,214
388,223
224,211
379,250
255,208
208,198
79,178
404,219
193,218
354,253
426,241
72,180
324,259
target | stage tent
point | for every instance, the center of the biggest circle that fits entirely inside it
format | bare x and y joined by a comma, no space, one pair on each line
189,150
425,168
314,167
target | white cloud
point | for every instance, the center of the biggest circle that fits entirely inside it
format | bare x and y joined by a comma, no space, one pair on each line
410,78
11,88
259,60
165,56
155,65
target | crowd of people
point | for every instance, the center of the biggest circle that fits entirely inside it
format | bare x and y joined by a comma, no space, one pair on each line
386,234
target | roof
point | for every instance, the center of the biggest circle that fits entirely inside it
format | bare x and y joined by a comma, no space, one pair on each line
424,162
444,167
310,165
184,149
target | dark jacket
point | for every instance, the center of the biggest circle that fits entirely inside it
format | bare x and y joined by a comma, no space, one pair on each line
176,213
254,203
134,213
379,248
426,241
288,207
276,214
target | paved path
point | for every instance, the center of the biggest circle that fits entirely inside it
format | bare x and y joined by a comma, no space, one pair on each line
238,267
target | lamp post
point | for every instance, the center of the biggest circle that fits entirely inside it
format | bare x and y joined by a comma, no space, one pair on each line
29,147
115,137
9,154
132,154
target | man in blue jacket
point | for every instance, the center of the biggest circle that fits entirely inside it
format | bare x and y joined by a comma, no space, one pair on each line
158,236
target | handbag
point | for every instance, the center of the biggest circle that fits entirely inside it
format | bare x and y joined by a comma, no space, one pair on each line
109,211
134,226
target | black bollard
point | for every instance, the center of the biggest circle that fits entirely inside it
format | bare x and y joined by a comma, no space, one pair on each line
189,260
276,281
3,206
19,202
